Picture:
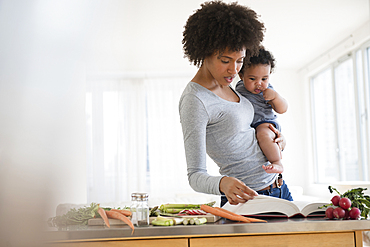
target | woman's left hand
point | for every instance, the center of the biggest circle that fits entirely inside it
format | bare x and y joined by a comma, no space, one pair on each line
279,139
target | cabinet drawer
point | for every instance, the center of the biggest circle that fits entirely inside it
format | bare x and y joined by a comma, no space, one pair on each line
346,239
183,242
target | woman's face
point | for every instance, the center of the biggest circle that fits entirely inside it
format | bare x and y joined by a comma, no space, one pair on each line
224,66
256,78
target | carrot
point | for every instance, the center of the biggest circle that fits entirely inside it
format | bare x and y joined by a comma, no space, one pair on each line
248,218
122,211
104,216
117,215
227,214
223,214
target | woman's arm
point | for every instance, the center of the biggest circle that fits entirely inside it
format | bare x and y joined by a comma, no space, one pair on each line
194,119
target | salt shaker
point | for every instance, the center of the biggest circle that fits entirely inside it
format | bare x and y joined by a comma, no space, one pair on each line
142,209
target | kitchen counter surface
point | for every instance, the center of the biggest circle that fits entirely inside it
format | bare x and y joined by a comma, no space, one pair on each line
222,227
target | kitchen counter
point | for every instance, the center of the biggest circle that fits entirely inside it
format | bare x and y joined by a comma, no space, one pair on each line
296,228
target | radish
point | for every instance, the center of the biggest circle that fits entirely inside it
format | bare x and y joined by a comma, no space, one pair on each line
345,203
329,213
339,213
355,213
335,200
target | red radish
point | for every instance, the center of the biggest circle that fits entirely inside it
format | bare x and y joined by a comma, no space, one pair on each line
355,213
346,215
345,203
335,200
339,213
329,213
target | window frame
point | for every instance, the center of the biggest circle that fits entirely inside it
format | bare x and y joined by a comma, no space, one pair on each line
361,82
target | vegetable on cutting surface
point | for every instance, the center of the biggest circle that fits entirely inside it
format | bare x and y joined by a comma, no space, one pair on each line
162,221
75,216
226,214
119,216
176,208
200,221
122,211
104,216
192,212
186,221
248,218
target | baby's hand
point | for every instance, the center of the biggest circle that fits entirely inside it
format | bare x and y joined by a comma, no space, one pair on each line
269,94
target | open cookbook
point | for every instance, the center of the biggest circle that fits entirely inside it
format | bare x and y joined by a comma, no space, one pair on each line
267,206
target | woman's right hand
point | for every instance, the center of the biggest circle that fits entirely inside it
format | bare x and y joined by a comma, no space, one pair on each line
236,191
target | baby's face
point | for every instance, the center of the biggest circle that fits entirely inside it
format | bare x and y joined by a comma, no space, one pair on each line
256,78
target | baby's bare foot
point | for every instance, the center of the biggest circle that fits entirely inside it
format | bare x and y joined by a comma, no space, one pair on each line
274,168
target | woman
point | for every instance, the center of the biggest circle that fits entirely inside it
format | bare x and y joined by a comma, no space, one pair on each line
215,119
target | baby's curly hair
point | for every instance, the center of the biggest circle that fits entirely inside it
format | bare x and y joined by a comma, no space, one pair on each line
217,26
263,57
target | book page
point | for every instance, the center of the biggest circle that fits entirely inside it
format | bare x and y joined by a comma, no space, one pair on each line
311,207
264,204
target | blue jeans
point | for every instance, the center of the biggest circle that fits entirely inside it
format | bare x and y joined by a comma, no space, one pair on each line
282,193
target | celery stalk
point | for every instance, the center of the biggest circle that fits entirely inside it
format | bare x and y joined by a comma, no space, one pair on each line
185,221
192,221
164,207
162,222
200,221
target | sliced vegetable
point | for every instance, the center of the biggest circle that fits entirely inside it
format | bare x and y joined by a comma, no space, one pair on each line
185,221
200,221
192,212
162,221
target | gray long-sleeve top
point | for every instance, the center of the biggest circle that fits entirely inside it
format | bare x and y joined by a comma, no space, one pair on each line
221,129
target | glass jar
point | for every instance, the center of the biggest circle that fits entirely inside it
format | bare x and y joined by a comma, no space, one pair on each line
140,209
133,208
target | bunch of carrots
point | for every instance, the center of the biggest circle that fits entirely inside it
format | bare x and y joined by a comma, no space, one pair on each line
228,214
120,214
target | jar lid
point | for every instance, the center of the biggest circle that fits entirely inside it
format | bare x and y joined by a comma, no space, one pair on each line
140,196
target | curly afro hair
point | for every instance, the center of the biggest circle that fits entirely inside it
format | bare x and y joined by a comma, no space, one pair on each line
263,57
218,26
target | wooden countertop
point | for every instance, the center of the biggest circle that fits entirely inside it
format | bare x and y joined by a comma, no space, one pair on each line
222,227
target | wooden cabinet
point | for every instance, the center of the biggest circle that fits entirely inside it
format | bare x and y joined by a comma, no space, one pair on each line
289,240
333,239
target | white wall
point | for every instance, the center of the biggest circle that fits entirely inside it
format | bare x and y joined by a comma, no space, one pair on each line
293,123
42,114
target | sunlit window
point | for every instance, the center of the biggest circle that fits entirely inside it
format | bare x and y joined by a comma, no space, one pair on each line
340,119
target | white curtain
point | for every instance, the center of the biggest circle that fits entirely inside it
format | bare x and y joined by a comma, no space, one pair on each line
134,138
165,143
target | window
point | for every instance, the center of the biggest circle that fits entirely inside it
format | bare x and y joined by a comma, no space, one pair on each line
339,119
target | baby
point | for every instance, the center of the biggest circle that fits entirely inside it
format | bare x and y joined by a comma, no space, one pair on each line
254,85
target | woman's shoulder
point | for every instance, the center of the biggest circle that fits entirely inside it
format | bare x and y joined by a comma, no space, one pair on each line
193,89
